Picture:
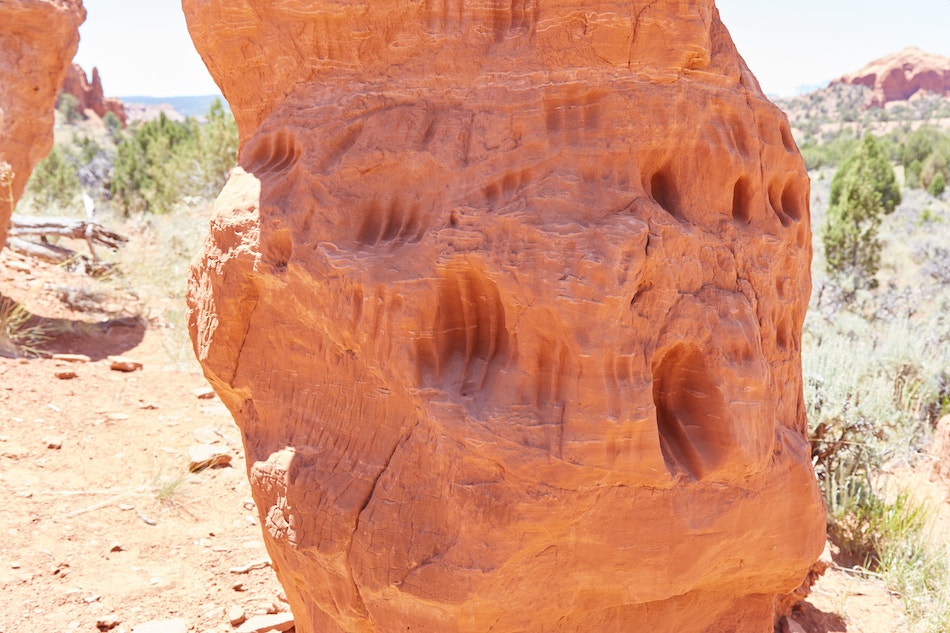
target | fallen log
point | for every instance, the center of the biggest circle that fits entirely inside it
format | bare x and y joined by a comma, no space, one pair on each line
43,226
60,255
40,250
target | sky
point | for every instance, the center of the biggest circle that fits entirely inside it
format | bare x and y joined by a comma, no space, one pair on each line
142,47
790,44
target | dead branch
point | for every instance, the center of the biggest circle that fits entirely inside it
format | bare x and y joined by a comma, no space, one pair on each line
40,250
92,232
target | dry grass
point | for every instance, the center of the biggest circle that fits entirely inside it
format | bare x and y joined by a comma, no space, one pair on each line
876,368
21,334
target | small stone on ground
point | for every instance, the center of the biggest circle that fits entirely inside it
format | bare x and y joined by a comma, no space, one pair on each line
54,442
123,363
265,623
203,456
236,615
203,393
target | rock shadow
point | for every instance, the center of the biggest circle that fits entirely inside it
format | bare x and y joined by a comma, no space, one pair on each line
812,620
24,334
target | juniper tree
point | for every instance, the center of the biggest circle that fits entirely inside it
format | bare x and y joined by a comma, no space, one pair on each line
862,191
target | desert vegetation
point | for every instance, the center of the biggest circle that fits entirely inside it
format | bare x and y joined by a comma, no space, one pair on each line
876,354
153,166
152,182
863,190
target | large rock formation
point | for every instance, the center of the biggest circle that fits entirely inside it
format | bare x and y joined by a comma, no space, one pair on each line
38,38
506,299
90,95
901,75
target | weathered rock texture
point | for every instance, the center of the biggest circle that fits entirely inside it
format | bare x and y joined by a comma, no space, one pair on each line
506,299
900,76
38,39
90,95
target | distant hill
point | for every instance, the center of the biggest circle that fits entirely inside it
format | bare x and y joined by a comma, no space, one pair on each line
907,89
195,106
901,75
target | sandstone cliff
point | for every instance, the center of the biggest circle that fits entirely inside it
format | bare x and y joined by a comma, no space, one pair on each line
90,95
38,38
507,301
900,76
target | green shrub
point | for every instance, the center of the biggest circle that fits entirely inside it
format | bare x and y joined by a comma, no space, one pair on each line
829,153
218,147
874,388
863,189
917,146
936,164
113,123
163,161
937,185
146,176
912,174
923,153
68,106
88,149
54,181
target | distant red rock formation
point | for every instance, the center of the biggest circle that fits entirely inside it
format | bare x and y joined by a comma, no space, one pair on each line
899,76
90,94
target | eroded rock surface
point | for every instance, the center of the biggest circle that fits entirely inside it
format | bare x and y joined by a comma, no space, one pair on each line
90,94
38,39
900,76
506,299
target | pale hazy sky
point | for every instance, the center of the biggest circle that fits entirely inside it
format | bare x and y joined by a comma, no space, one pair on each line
142,47
789,44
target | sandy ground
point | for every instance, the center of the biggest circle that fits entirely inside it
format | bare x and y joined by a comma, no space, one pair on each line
99,514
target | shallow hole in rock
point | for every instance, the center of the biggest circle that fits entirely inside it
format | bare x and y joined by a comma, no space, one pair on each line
742,200
470,339
793,201
275,152
663,191
690,411
393,222
775,200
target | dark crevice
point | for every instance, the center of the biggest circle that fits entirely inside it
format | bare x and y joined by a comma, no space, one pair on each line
742,200
663,191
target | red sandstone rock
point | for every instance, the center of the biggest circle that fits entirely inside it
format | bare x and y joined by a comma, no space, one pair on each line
899,76
38,38
90,95
507,300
